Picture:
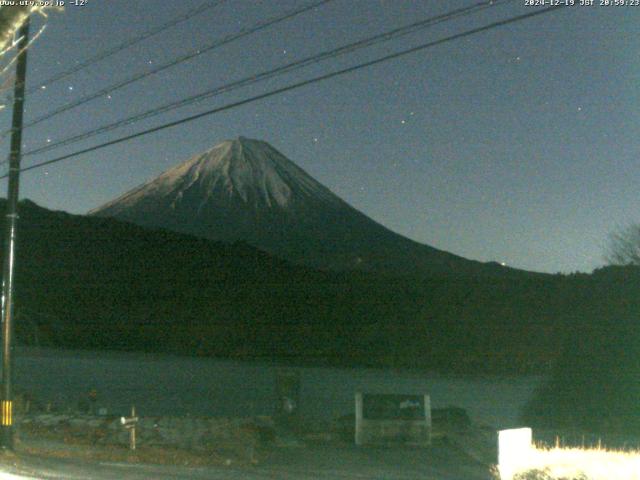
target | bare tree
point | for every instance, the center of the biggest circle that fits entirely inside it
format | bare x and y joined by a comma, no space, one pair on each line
11,18
624,246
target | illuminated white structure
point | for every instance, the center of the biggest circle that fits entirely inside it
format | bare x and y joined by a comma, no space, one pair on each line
514,450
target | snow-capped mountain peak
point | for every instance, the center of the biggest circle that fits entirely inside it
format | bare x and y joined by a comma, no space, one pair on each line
246,170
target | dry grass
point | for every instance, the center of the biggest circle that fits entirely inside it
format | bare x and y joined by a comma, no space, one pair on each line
48,443
240,445
542,463
151,455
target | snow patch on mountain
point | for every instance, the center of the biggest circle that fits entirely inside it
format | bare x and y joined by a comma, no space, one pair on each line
251,171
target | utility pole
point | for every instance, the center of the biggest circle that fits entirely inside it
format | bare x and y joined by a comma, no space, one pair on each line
6,397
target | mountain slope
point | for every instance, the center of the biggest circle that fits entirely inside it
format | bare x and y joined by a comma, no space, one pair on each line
245,190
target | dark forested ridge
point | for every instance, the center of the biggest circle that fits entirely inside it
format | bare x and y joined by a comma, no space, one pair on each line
90,282
594,387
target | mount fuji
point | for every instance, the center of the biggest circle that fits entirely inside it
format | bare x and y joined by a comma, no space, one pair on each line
246,190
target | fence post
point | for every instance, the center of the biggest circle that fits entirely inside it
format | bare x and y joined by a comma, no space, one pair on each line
130,424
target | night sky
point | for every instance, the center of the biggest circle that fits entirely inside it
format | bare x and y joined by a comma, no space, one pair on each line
517,145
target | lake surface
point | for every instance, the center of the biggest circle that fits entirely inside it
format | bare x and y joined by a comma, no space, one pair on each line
172,385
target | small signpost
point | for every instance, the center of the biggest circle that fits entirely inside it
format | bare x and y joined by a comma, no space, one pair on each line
288,396
130,424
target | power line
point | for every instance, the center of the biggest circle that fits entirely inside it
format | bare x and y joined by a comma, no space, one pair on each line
125,45
296,86
349,48
194,53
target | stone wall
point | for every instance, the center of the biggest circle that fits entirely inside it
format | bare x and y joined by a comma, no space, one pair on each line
189,433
